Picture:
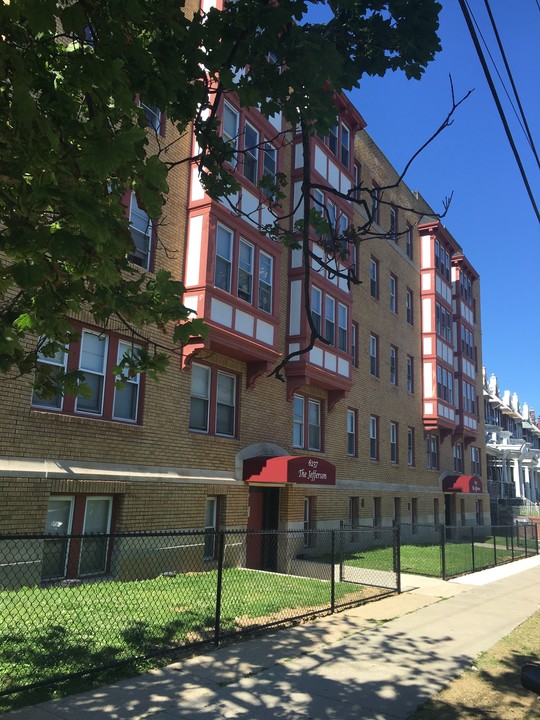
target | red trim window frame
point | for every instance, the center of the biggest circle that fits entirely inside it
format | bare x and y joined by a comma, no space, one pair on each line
214,401
340,143
96,353
245,270
308,435
249,135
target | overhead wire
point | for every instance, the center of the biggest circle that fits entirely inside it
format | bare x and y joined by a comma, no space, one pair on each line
511,78
470,25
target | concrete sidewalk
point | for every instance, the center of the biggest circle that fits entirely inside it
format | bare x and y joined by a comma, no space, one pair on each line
376,662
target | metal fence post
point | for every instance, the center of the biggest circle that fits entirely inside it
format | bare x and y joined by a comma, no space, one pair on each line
472,548
397,555
333,572
493,530
443,551
526,542
536,536
512,541
221,547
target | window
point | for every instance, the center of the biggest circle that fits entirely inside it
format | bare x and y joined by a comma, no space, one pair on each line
445,385
409,306
330,320
57,365
351,433
269,166
436,512
410,446
458,457
393,293
469,398
410,374
266,274
316,308
224,243
307,435
141,229
443,322
465,287
409,241
245,271
342,327
95,354
374,277
393,365
230,124
394,443
374,355
211,528
251,153
354,344
476,465
467,343
333,139
374,437
432,447
442,260
213,401
393,225
243,267
353,516
356,181
153,116
308,520
345,145
80,514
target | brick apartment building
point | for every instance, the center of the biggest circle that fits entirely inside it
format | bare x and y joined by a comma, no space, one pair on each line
382,423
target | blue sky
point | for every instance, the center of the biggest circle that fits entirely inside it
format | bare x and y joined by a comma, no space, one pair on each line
491,215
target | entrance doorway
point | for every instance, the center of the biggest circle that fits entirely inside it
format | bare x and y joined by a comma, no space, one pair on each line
262,549
449,512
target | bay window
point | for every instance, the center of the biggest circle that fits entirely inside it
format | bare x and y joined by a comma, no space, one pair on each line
251,153
342,327
307,432
266,273
224,243
245,271
230,128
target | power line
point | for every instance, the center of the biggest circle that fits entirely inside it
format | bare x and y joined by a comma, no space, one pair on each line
474,37
503,55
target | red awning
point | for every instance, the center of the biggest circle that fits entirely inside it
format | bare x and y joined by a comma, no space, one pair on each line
462,483
298,469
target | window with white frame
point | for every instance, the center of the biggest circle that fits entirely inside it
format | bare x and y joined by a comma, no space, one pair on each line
393,293
212,401
223,265
476,464
345,145
374,277
153,115
374,437
333,139
354,344
351,433
251,153
375,204
230,129
410,374
409,241
410,447
330,319
458,457
141,229
394,443
374,355
269,166
245,270
409,306
445,385
95,354
432,452
342,328
393,225
242,267
307,432
393,365
316,308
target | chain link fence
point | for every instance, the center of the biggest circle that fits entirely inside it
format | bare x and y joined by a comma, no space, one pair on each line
77,604
448,551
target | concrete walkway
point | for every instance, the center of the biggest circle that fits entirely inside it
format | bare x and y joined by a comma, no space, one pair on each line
376,662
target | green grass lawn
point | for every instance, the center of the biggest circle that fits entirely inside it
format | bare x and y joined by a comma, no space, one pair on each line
426,559
47,632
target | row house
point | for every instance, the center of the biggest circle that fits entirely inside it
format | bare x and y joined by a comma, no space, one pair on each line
512,448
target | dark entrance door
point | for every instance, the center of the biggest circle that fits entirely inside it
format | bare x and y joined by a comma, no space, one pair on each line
449,513
262,548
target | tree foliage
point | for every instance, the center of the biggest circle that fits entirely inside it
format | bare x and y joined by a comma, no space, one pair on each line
73,138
